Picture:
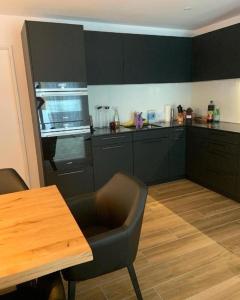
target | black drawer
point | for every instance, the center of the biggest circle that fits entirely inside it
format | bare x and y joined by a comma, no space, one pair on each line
197,132
151,135
177,133
221,148
72,182
223,136
111,139
63,165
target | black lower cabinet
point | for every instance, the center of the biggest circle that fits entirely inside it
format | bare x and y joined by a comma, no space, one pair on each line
177,153
222,166
151,155
196,155
213,160
111,154
72,182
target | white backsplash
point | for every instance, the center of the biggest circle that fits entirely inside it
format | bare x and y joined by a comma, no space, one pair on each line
139,97
224,93
144,97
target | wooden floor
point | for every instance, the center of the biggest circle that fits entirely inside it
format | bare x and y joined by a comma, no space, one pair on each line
189,249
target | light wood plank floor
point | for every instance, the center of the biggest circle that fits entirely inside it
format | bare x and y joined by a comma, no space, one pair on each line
189,249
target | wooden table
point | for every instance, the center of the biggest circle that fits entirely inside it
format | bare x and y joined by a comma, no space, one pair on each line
38,236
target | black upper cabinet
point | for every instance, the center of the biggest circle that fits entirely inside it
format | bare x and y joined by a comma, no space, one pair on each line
156,59
104,57
216,55
57,51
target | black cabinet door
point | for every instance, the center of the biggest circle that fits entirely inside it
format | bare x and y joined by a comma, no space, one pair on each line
151,160
216,55
196,154
156,59
57,51
109,159
72,182
104,57
177,153
222,162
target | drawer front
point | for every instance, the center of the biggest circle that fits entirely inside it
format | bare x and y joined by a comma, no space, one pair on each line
197,132
220,148
71,183
177,133
151,135
224,137
111,139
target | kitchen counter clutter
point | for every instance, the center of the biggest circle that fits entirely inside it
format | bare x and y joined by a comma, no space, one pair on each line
222,126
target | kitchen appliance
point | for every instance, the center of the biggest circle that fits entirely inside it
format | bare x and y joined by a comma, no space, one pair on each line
62,108
64,123
64,152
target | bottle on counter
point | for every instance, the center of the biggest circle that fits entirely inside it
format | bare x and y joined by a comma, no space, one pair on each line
216,114
116,119
211,108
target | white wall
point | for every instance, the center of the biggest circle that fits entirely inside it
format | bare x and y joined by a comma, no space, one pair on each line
139,97
10,37
224,93
13,151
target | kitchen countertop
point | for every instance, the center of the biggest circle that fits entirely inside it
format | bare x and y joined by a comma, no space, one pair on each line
223,126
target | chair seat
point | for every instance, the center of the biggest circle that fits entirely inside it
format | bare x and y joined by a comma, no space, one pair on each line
93,230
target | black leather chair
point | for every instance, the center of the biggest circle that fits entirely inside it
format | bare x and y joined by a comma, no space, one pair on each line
111,220
49,287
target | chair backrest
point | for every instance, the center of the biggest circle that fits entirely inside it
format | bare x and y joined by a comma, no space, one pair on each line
121,202
11,182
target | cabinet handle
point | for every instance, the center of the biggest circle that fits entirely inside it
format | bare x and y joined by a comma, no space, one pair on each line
73,172
111,147
114,137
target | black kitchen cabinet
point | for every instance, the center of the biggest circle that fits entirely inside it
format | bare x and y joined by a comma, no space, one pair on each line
222,163
151,155
196,154
177,153
104,57
72,182
56,51
111,154
216,54
156,59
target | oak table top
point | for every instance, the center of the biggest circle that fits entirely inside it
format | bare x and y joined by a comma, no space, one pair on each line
38,236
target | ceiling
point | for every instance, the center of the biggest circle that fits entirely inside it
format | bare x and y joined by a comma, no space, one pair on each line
155,13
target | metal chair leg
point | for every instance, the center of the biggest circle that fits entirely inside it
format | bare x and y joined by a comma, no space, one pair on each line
71,290
134,280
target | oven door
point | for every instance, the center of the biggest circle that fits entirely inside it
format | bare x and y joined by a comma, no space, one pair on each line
62,110
67,152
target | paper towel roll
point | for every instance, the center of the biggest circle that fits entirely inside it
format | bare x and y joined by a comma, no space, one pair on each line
167,113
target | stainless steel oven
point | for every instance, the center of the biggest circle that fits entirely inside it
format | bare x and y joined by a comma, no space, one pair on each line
62,107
